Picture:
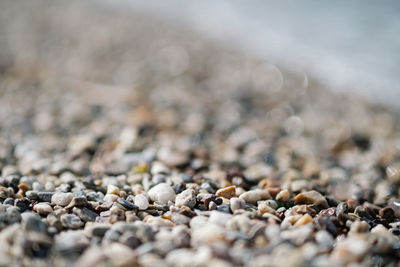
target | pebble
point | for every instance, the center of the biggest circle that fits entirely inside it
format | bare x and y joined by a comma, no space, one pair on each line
112,190
45,196
62,199
311,197
283,196
71,221
141,202
227,192
351,249
126,204
306,218
255,195
162,193
43,208
85,214
186,198
237,204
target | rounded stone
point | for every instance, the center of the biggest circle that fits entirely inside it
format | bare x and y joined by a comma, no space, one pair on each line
162,193
62,199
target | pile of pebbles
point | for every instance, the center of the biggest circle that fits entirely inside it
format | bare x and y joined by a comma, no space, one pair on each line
126,141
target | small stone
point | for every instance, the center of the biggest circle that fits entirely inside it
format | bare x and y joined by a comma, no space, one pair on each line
62,199
306,218
23,187
395,205
162,193
237,204
186,198
227,192
387,213
36,186
71,221
350,249
85,214
126,204
130,240
9,201
110,198
324,239
43,208
283,196
255,195
45,196
141,201
78,202
112,189
32,222
311,197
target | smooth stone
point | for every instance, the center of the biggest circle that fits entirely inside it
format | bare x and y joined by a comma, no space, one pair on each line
324,239
43,208
255,195
62,199
9,201
283,196
112,189
395,205
350,249
71,221
162,193
311,197
141,201
237,204
186,198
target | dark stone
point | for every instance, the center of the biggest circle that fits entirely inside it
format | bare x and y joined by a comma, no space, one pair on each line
126,204
387,213
32,223
22,204
45,196
85,214
9,201
130,240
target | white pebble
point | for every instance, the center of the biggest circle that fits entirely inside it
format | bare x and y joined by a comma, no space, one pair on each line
162,193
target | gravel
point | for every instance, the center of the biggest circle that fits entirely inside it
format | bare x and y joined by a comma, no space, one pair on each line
148,145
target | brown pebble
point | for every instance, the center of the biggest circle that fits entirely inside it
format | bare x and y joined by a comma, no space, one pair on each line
387,213
311,197
227,192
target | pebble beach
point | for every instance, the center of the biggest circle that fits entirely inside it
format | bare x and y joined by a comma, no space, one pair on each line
128,141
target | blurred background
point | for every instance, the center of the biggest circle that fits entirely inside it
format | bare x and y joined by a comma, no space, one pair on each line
350,45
